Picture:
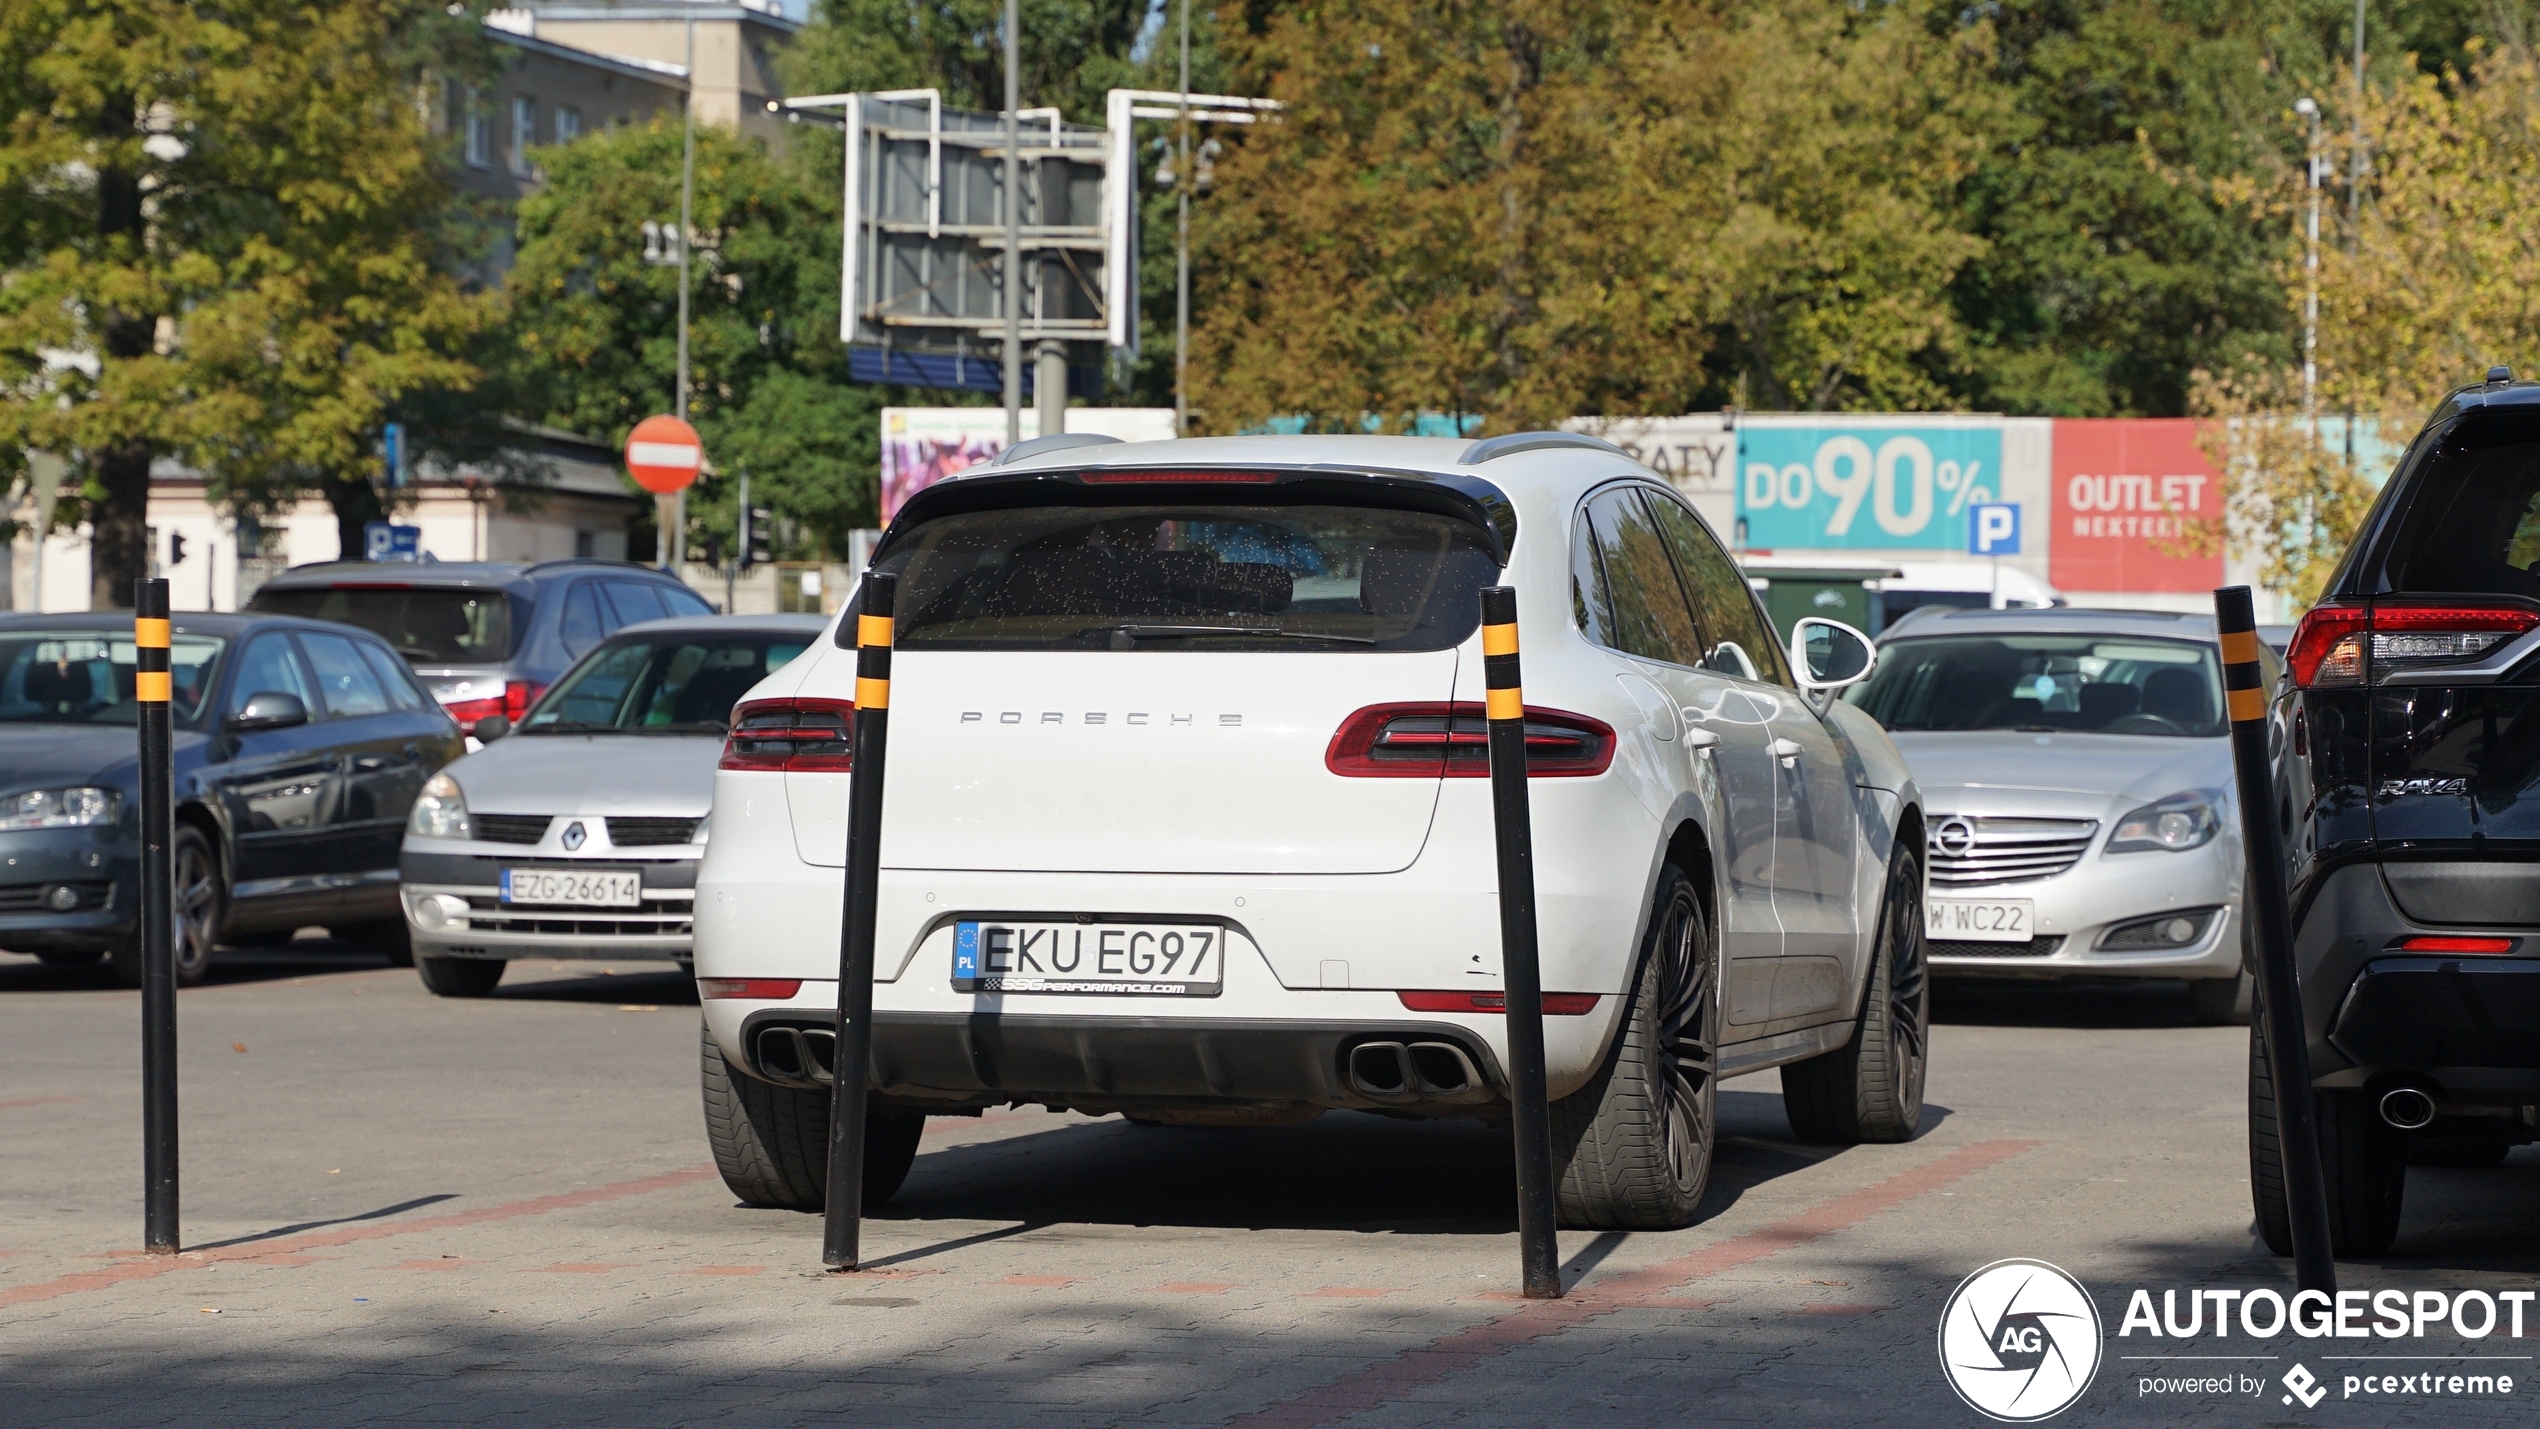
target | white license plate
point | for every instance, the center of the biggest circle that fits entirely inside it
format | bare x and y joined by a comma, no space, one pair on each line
1981,920
1154,959
573,890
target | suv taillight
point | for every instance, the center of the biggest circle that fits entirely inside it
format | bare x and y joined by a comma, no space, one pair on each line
2328,646
803,736
2340,643
511,704
1428,741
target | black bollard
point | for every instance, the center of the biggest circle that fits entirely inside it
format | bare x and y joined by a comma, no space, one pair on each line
157,930
2279,980
845,1207
1538,1250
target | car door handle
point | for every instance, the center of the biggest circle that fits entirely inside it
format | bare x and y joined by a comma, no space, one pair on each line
1786,750
370,762
1702,741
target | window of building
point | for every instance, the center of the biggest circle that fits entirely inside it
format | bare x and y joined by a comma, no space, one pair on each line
524,132
480,132
568,124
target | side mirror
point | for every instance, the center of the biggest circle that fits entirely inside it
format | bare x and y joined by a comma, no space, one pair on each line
1828,654
270,709
491,728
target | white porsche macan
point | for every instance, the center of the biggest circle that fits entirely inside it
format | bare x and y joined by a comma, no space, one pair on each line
1186,818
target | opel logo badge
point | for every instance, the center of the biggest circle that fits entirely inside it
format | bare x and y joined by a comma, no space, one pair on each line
1955,837
573,836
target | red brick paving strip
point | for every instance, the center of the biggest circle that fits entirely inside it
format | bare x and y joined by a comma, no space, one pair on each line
158,1265
1385,1381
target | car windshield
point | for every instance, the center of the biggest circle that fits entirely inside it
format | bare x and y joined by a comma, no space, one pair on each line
85,677
665,684
1196,576
446,626
2082,684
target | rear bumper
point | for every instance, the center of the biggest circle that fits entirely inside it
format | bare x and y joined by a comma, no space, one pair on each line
2468,1025
1099,1064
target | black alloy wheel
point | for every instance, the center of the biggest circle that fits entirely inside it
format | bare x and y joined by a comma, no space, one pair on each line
198,901
1871,1088
1688,1041
1631,1150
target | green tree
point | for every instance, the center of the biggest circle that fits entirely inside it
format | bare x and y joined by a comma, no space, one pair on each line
594,327
1527,210
220,241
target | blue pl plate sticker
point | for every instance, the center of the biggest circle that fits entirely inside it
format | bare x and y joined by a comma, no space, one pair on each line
507,886
965,952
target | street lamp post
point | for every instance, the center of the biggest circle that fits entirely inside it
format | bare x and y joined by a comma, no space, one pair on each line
1013,228
1182,245
2309,109
674,538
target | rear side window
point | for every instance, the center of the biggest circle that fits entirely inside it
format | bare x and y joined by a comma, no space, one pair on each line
1650,616
583,623
635,601
683,601
395,677
1193,576
2473,522
429,627
344,680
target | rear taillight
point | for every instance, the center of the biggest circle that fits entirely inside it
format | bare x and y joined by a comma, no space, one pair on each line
1429,741
2429,944
511,704
2328,646
763,989
801,736
2348,644
1555,1004
2439,632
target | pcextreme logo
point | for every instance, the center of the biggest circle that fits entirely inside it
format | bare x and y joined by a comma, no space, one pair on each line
2019,1340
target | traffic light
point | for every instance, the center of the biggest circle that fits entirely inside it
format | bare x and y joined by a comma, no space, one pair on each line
758,533
176,548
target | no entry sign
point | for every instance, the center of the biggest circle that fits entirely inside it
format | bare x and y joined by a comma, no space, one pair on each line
663,455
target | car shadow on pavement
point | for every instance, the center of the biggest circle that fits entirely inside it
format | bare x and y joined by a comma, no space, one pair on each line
307,957
1403,1177
2064,1002
537,980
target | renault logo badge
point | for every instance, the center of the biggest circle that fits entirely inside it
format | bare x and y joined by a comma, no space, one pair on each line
573,836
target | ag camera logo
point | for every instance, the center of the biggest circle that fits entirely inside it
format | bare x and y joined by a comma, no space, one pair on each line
2019,1340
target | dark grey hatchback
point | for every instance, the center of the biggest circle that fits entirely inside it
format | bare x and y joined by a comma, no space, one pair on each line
299,748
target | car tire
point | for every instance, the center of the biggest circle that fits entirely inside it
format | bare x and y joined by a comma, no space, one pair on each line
460,977
200,904
2362,1161
1631,1150
387,935
1871,1088
772,1143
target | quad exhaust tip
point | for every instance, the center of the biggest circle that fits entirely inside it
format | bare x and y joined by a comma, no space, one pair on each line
1415,1071
797,1056
2407,1108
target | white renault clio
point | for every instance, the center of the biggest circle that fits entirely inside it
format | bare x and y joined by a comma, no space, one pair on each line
1186,818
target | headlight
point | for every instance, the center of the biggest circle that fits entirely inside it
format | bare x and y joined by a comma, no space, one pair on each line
2175,824
440,811
57,808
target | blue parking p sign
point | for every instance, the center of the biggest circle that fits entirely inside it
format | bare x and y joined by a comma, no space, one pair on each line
1994,529
388,541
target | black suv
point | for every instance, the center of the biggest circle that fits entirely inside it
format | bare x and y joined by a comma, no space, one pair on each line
487,637
2409,793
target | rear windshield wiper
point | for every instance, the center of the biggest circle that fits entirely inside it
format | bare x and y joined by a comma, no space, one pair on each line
1178,632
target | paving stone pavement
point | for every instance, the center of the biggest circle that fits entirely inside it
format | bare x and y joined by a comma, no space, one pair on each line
409,1210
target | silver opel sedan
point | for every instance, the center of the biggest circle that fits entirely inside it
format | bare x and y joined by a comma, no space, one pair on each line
577,834
2077,768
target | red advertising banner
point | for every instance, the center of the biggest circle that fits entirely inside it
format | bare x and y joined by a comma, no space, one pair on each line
2130,494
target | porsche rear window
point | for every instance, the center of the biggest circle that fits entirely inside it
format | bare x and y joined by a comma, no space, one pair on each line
1191,576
